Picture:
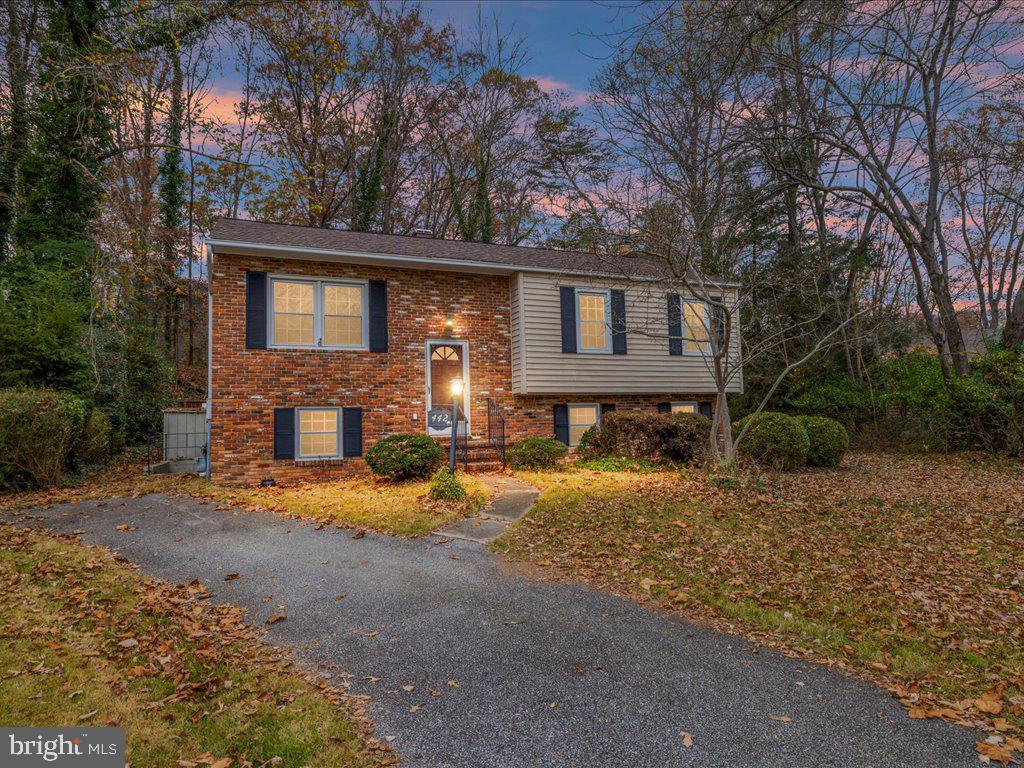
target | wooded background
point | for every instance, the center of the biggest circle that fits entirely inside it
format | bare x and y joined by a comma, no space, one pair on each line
857,166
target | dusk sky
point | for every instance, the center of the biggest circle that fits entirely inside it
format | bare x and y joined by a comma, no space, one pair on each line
563,38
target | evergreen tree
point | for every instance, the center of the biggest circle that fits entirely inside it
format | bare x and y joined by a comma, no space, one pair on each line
61,173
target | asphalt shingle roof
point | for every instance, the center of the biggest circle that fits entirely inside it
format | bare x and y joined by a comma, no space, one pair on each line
294,236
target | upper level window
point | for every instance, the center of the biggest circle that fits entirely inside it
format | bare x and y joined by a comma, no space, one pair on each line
318,313
696,328
684,407
343,315
294,315
593,329
318,433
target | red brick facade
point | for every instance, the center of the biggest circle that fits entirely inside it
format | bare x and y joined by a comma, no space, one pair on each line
390,387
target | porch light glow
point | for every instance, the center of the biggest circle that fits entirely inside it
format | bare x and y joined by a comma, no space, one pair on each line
456,387
449,322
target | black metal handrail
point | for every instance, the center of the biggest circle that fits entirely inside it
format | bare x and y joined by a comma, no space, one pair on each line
496,428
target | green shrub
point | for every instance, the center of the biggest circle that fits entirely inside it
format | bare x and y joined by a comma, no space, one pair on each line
774,440
1003,370
445,486
37,430
827,439
589,445
633,434
677,437
684,437
535,453
405,457
837,397
93,445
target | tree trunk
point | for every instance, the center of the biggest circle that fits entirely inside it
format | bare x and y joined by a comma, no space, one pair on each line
1013,331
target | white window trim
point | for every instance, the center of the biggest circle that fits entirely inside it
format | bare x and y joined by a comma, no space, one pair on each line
318,311
568,416
690,346
298,433
606,292
694,403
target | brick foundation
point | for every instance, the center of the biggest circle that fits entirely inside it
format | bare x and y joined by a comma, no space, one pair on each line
390,386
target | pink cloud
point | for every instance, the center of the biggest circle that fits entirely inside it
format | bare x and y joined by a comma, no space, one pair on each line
551,85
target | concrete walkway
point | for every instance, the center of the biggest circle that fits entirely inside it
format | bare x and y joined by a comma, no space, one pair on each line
511,500
470,665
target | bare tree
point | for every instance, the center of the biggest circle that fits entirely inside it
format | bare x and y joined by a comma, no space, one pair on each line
984,160
908,67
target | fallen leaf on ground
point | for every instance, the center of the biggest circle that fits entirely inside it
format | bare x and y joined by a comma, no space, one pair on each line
687,739
782,718
232,576
276,618
995,752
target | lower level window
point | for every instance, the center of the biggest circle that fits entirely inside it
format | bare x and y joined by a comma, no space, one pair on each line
318,434
582,416
685,407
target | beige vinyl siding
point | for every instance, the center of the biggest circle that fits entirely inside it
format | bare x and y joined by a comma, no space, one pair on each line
515,317
647,368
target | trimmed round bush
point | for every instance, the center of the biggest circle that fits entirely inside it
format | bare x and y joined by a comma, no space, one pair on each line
684,438
633,434
828,440
405,457
774,440
94,443
679,437
445,486
37,430
535,453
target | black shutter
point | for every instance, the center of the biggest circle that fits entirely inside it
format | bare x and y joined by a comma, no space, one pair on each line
618,303
718,323
664,407
378,316
562,423
607,408
284,433
704,409
255,310
352,432
567,295
675,324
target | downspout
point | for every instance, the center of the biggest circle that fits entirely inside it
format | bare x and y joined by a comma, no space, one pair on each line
209,357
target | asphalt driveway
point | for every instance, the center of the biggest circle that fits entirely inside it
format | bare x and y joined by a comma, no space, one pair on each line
470,664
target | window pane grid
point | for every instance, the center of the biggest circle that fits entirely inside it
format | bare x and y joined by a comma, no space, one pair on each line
593,327
696,327
684,407
581,418
306,310
318,432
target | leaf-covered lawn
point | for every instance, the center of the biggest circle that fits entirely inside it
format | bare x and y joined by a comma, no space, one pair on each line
87,640
401,509
906,569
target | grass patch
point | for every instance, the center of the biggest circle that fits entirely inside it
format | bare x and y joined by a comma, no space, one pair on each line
906,569
402,509
622,464
87,640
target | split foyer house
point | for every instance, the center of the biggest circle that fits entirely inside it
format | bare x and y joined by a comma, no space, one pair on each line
324,341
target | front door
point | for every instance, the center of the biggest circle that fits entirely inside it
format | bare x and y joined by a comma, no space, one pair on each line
446,361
